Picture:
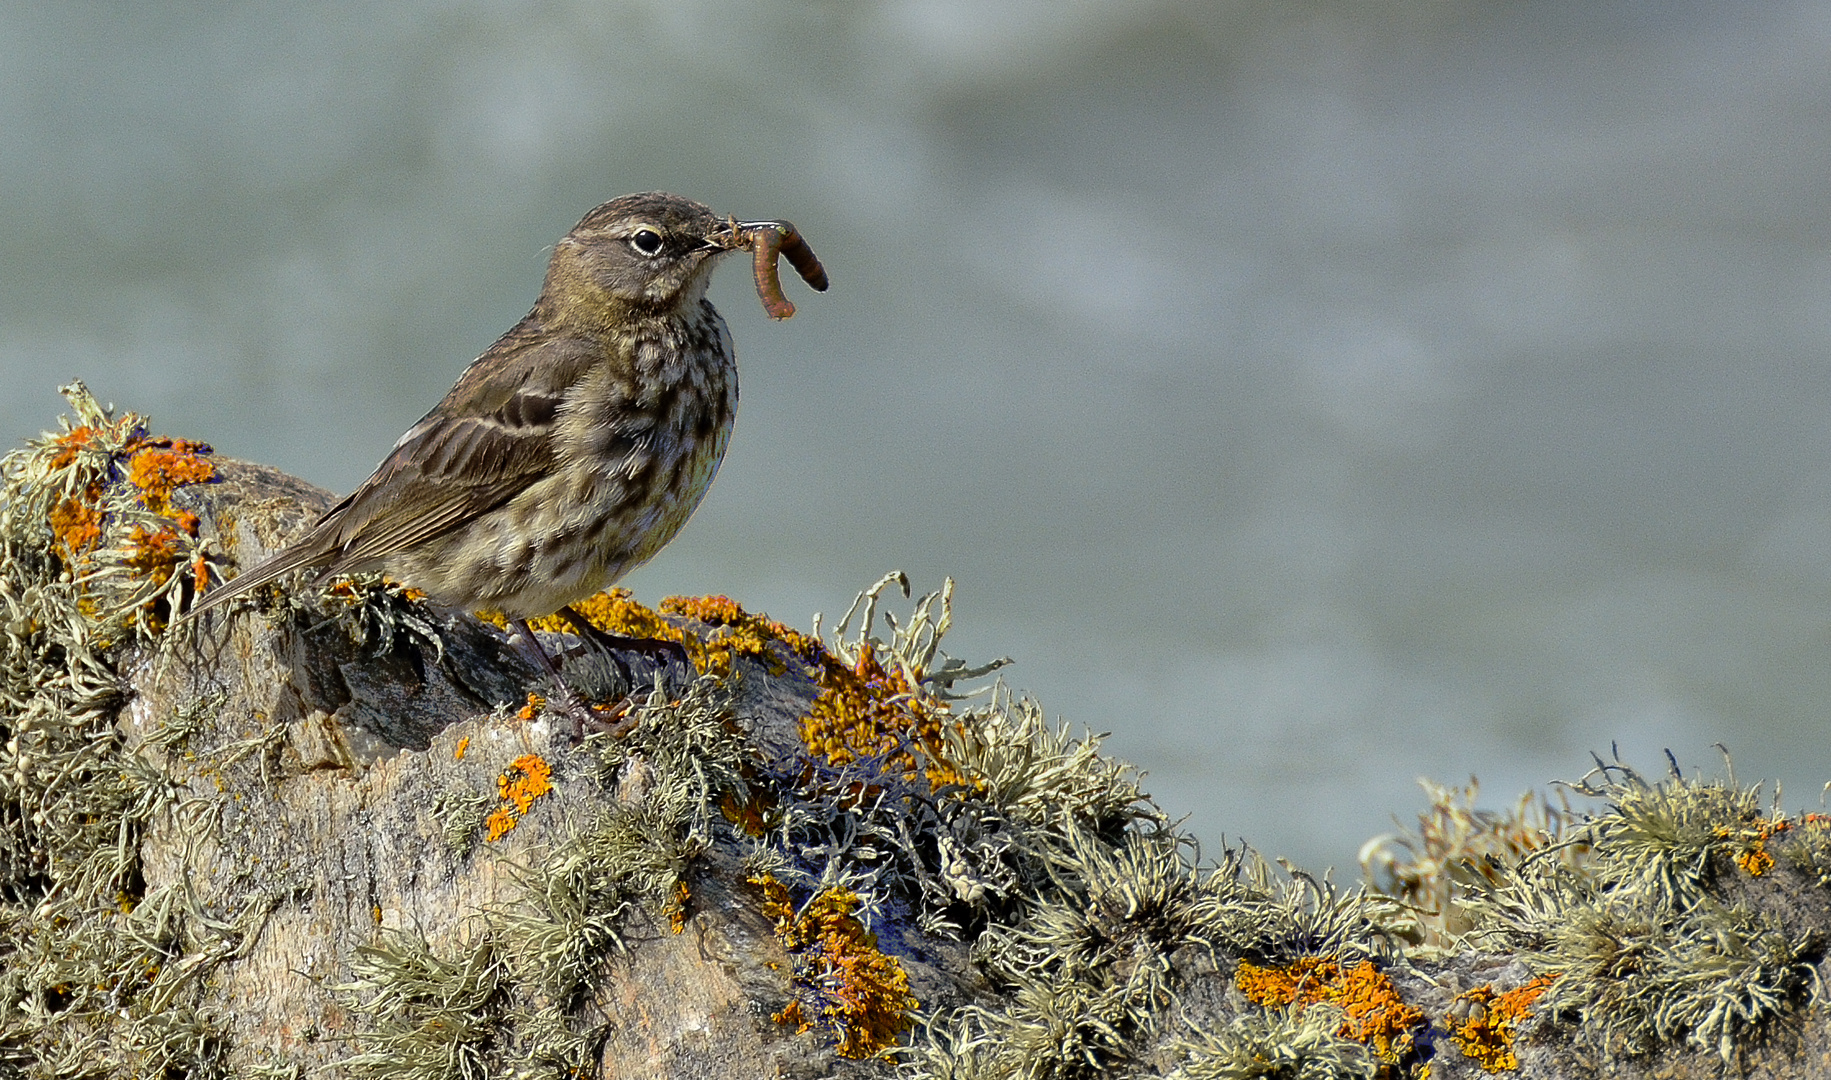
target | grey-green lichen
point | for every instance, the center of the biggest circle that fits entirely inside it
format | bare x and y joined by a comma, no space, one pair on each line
1654,942
1276,1044
98,976
1668,919
922,806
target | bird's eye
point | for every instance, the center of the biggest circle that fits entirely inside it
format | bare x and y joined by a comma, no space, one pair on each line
647,241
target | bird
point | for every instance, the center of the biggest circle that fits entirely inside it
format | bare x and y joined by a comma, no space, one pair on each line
572,450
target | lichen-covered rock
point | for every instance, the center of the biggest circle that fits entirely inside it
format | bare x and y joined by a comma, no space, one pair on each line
334,831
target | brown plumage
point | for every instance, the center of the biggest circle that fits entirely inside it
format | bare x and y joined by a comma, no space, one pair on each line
573,449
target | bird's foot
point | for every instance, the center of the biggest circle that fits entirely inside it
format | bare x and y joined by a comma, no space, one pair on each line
615,722
667,652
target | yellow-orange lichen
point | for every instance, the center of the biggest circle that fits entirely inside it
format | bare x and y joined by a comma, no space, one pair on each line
457,752
749,813
868,709
77,524
522,790
532,709
1493,1021
1372,1011
790,1015
69,443
1751,843
736,632
160,466
864,993
501,822
676,907
155,467
153,552
863,710
527,778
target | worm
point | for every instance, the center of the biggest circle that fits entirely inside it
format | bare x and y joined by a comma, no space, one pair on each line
769,239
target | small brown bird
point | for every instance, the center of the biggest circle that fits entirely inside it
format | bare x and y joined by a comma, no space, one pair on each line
573,449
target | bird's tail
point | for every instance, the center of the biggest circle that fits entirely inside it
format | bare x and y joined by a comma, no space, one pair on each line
305,553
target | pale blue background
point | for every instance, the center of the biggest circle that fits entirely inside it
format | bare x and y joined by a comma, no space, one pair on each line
1315,395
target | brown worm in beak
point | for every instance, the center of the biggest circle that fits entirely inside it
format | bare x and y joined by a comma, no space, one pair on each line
769,239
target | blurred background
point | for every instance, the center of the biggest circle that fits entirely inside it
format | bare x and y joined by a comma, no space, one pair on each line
1315,395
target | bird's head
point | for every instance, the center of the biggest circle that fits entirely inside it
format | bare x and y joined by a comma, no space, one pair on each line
650,253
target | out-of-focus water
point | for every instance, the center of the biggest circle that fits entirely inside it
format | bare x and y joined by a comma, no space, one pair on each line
1314,395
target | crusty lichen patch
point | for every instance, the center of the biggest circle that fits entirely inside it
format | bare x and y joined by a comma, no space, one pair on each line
1484,1022
1372,1011
527,778
855,989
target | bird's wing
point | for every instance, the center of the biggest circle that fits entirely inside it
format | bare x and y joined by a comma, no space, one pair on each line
489,439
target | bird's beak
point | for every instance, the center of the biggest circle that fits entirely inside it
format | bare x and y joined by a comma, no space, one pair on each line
732,234
728,235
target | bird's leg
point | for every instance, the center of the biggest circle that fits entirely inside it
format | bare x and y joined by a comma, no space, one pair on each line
574,709
660,648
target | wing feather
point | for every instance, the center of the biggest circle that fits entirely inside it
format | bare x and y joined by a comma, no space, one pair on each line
489,439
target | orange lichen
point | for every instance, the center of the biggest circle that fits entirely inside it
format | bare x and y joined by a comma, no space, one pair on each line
615,612
1372,1011
1277,988
501,822
153,552
790,1015
868,709
750,814
69,443
736,632
863,710
77,524
155,467
676,907
160,466
534,781
864,994
527,778
532,709
463,745
1493,1021
1751,841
